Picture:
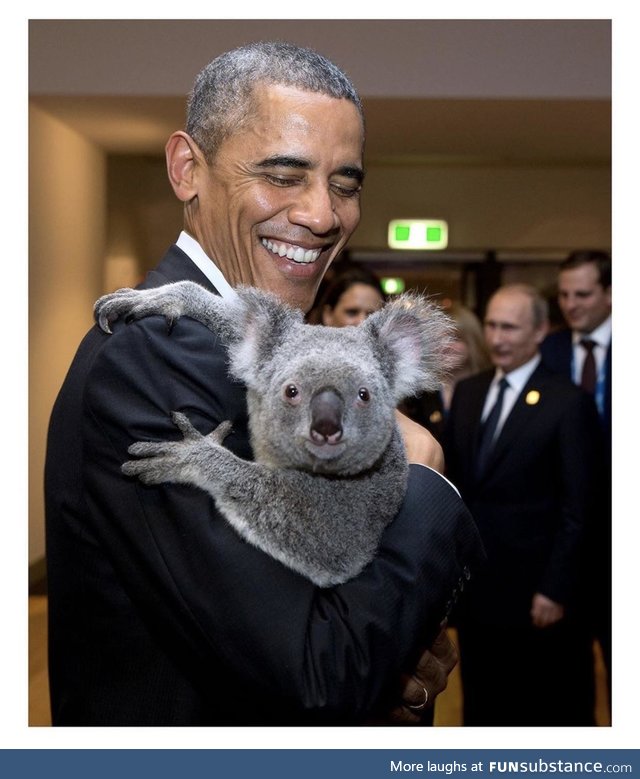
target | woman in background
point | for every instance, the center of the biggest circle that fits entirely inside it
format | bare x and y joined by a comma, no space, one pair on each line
431,408
348,299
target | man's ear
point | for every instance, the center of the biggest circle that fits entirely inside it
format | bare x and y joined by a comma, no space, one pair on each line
542,331
183,158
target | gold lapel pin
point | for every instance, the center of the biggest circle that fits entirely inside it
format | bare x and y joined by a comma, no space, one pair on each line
435,417
533,397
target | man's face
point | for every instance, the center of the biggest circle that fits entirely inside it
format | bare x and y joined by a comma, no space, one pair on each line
509,330
584,302
282,195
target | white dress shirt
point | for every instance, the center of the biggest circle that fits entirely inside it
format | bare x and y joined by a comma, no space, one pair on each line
517,380
601,337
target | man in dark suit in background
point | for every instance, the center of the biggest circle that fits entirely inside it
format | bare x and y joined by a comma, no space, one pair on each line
521,446
159,613
582,352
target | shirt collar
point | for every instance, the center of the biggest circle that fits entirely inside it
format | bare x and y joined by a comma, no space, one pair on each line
197,255
601,335
520,376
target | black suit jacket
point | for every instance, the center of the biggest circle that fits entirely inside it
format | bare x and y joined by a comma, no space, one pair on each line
557,354
532,505
159,613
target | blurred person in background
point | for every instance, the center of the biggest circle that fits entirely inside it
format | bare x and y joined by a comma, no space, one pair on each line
348,298
430,409
582,352
521,446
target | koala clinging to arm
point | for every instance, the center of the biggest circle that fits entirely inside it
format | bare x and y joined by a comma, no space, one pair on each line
330,469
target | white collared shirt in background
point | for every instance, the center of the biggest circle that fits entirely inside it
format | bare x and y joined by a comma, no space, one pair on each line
601,336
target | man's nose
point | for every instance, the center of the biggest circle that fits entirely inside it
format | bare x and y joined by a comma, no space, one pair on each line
313,209
493,336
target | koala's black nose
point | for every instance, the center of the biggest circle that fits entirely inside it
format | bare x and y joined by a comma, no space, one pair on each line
327,408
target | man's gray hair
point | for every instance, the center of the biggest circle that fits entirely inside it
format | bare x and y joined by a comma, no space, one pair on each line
539,304
222,98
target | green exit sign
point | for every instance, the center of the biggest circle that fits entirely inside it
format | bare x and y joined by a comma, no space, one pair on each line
418,234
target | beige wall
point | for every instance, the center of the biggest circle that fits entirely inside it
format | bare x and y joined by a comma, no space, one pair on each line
67,211
500,208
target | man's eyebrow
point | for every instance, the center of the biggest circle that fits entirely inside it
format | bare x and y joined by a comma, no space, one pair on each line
298,163
283,161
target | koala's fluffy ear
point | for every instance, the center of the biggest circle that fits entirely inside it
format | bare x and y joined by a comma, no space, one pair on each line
413,337
260,321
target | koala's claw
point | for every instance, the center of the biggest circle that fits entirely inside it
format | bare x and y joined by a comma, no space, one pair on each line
133,304
181,421
151,470
109,307
165,461
150,448
221,432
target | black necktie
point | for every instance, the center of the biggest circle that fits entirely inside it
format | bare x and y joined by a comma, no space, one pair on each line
588,380
489,428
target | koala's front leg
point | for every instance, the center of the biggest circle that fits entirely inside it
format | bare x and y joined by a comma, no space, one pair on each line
183,298
190,461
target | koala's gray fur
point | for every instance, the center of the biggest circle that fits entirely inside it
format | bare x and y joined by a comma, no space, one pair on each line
330,468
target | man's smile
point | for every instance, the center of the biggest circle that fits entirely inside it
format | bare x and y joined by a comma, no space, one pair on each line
291,251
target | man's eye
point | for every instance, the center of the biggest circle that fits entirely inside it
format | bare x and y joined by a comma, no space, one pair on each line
281,181
346,191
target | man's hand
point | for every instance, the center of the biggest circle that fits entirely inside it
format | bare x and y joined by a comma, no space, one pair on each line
544,611
428,680
420,445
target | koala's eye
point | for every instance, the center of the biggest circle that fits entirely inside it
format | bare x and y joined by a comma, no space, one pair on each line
291,394
363,394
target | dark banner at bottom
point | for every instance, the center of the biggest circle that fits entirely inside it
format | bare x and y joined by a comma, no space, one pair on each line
315,763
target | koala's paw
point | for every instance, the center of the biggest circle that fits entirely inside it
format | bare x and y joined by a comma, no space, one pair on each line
132,304
175,461
109,307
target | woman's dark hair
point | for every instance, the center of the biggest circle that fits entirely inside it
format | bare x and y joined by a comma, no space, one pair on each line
344,281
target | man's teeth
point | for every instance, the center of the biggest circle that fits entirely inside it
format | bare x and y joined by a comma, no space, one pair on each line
295,253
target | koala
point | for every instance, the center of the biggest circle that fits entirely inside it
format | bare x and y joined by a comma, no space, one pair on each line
330,468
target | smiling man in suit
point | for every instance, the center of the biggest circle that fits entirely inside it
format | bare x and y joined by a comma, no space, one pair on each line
582,352
521,446
159,613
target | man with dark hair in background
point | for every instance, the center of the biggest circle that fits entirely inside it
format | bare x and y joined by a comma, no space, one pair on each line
582,352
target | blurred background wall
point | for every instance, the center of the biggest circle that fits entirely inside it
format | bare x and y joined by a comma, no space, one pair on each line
501,127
